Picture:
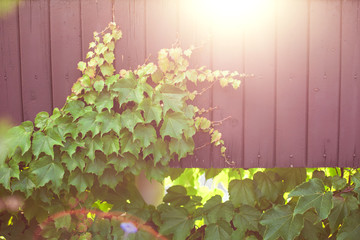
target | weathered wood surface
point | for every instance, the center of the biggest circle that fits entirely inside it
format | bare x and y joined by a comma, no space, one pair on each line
301,108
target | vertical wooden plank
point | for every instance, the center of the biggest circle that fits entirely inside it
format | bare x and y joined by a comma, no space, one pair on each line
65,47
259,112
195,29
324,79
35,57
349,152
95,16
228,54
10,78
130,50
161,28
291,85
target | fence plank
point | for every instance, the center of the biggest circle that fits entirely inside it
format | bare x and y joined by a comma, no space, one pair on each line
10,79
291,89
95,16
65,47
324,75
35,57
228,54
349,152
194,29
130,16
259,91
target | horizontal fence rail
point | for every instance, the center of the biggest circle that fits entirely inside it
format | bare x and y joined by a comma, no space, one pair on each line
300,109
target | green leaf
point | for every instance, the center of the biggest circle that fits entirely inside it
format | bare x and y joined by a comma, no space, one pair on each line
172,98
176,221
242,192
181,147
338,182
215,210
104,101
128,144
96,167
268,186
109,121
159,150
87,123
81,66
63,221
107,38
176,196
81,180
147,69
342,208
292,176
152,111
93,144
218,231
6,174
25,184
19,136
109,57
66,127
45,143
174,125
46,170
312,195
128,89
99,85
41,120
70,146
109,81
280,222
75,108
312,229
76,161
146,134
130,118
107,69
247,218
120,163
111,144
157,76
351,227
110,178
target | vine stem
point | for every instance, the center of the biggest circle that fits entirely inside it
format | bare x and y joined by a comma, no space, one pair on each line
217,123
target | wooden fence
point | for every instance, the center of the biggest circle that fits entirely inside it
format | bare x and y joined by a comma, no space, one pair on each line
302,107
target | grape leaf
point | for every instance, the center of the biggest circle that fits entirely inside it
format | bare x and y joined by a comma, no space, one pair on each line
19,136
181,147
350,229
99,85
312,195
242,192
342,208
146,134
215,210
109,57
247,218
46,170
292,176
130,118
152,112
174,125
104,101
177,222
269,187
81,180
280,222
218,231
45,143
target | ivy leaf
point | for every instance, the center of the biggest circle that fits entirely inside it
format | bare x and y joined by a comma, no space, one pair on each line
247,218
109,81
129,119
81,66
97,166
218,231
19,136
128,89
6,174
63,221
46,170
182,147
111,144
87,123
292,177
351,227
81,180
110,178
99,85
104,101
174,125
109,58
146,134
242,192
176,221
66,127
71,146
152,112
41,120
342,208
158,149
25,184
93,144
172,98
280,222
268,186
75,108
45,143
128,144
215,210
76,161
120,163
109,121
312,195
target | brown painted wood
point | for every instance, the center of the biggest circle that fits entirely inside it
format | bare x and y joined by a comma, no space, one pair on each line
349,146
228,54
10,78
95,17
259,112
324,83
291,84
65,47
35,57
194,30
130,50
